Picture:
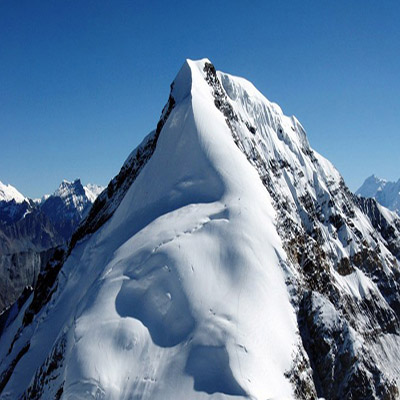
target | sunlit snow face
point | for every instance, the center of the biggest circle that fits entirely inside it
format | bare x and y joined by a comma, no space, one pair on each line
194,263
154,294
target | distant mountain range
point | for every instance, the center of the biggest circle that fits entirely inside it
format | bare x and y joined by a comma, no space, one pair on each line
31,230
385,192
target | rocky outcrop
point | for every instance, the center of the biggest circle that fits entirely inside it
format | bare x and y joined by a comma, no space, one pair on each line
309,224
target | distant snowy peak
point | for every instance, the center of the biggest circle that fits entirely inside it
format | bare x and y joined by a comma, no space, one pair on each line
371,186
75,188
41,200
92,191
385,192
69,204
77,196
68,188
9,193
65,207
13,205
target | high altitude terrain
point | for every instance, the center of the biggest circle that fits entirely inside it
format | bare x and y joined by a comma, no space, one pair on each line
385,192
32,230
226,260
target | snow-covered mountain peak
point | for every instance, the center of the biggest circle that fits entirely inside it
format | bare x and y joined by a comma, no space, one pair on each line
74,189
371,185
68,188
9,193
69,204
92,191
226,258
41,200
385,192
189,77
255,110
13,205
249,106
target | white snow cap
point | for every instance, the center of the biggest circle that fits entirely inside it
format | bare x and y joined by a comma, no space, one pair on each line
371,186
182,85
42,199
9,193
387,193
66,187
92,191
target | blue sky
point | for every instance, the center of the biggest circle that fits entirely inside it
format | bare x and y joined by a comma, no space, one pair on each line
81,82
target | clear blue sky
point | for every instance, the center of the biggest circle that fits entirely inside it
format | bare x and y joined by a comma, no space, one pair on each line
81,82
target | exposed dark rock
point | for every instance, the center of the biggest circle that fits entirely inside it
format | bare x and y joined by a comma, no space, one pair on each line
344,267
47,373
25,248
8,315
105,205
340,370
6,375
45,285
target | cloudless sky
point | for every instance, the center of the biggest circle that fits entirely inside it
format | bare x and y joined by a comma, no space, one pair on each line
82,82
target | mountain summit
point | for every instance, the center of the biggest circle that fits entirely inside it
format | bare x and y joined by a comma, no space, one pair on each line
9,193
385,192
227,259
69,204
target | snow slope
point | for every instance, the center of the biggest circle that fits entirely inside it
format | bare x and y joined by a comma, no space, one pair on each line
9,193
231,266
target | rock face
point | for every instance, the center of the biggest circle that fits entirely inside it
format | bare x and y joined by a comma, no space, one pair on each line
27,238
25,248
227,259
386,193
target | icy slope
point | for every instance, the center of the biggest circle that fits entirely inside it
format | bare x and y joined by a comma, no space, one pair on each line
226,260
